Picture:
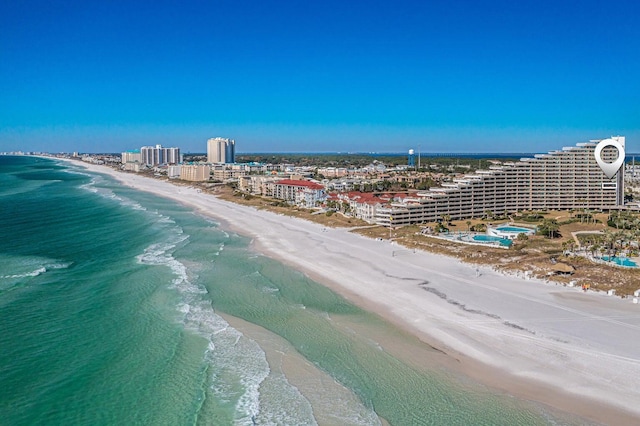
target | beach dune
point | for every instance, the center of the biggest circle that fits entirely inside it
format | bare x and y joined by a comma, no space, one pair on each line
578,352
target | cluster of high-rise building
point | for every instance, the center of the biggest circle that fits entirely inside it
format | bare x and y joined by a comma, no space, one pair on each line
570,178
219,151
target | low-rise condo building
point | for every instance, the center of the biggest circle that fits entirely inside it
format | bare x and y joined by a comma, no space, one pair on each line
132,156
566,179
174,171
363,205
132,167
300,192
195,172
223,173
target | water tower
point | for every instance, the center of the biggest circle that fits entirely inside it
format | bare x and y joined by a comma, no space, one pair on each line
412,161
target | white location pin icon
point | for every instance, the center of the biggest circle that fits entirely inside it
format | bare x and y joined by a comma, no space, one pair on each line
609,169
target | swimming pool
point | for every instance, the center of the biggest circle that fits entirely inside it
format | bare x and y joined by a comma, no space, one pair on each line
515,229
622,261
489,239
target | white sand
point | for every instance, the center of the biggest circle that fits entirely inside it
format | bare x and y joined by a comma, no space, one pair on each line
574,351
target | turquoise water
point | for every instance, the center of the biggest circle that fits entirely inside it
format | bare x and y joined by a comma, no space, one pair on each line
622,261
113,306
490,239
514,229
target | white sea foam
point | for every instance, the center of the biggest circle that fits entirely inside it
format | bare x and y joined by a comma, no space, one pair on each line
239,365
109,194
71,169
165,219
38,271
90,186
237,360
220,248
283,403
35,273
24,269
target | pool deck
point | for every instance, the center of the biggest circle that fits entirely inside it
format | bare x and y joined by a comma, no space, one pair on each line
613,263
509,230
457,238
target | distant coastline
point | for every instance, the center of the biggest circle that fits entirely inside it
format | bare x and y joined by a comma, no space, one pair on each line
475,155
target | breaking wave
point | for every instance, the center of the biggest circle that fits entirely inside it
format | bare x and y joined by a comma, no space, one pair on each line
238,362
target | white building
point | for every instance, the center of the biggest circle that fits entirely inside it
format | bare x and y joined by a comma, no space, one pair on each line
153,156
133,156
566,179
363,205
173,171
221,150
299,192
132,167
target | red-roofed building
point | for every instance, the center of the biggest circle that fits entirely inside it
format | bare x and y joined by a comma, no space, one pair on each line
300,192
363,205
333,196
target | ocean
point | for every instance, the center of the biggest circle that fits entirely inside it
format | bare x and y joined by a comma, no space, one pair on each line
119,307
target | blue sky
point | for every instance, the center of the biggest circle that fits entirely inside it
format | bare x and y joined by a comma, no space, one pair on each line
278,76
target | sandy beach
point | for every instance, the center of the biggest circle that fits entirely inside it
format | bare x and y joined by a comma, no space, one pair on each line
574,351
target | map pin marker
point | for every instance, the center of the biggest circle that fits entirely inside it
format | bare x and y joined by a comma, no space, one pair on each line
609,169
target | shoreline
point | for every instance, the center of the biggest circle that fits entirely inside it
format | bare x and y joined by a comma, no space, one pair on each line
327,396
525,338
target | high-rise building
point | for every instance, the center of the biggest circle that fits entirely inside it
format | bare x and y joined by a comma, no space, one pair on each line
570,178
153,156
221,150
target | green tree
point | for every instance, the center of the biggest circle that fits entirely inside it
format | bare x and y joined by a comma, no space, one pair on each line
549,228
440,228
480,227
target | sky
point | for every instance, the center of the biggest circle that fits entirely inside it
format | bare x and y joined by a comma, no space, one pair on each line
318,76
